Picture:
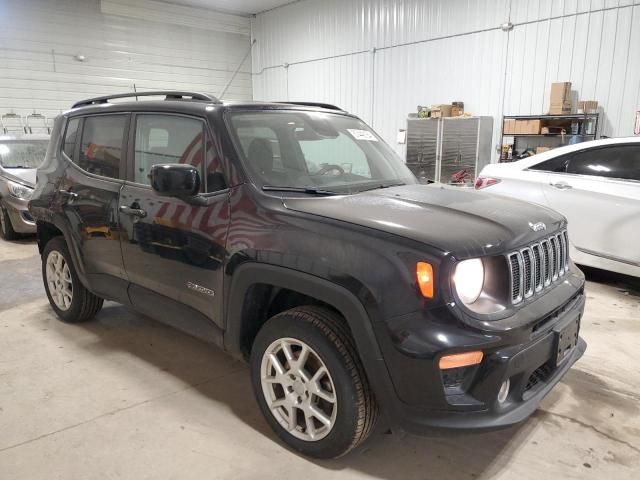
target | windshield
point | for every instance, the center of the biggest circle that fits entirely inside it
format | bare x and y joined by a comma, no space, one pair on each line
22,153
314,150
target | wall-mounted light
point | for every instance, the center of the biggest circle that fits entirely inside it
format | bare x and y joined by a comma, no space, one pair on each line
80,58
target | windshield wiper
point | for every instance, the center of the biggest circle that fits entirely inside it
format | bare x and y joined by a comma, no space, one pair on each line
382,185
314,190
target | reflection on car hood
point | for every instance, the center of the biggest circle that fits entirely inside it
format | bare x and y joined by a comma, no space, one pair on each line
22,175
460,221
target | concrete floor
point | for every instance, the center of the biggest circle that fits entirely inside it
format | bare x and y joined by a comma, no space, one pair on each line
124,397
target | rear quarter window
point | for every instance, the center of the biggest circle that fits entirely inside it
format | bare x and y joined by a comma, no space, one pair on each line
101,145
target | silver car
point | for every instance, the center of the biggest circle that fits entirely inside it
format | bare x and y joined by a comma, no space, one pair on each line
19,159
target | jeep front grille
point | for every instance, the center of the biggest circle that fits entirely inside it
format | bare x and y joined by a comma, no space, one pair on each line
537,266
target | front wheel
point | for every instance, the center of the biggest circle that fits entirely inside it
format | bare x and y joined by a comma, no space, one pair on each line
6,227
71,301
310,383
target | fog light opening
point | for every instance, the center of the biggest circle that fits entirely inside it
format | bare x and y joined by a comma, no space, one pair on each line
504,391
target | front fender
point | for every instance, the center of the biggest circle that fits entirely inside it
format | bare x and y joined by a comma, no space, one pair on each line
340,298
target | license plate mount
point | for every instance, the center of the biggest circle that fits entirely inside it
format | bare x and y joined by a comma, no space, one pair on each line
567,340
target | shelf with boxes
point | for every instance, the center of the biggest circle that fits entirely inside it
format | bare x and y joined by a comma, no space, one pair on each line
530,134
524,135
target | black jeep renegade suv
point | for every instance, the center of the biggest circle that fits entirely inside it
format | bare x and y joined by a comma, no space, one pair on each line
294,238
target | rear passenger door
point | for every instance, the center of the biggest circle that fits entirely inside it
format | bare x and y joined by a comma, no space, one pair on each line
599,193
88,197
173,250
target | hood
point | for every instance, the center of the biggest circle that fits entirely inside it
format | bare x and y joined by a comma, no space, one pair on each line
458,221
22,175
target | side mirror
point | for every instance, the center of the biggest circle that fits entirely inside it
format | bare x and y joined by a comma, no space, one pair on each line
175,180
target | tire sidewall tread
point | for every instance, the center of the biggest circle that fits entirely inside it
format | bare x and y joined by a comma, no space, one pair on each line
326,332
84,304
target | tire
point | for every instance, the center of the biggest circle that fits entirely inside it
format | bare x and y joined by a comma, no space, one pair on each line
353,414
6,227
81,305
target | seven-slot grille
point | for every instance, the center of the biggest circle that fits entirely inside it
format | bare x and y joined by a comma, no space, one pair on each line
536,266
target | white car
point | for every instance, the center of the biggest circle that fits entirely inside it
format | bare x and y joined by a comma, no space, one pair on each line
596,185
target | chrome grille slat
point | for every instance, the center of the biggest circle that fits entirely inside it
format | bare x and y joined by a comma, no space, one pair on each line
515,267
565,236
528,272
537,261
553,248
546,251
537,266
562,253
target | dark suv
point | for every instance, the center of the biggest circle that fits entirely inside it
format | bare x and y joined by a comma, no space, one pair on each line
293,237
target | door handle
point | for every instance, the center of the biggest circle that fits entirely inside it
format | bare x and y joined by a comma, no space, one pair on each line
561,186
133,212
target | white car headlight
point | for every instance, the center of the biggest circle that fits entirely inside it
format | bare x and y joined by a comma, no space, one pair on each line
19,191
469,279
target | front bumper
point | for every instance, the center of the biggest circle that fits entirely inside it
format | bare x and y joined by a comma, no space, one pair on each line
526,356
21,219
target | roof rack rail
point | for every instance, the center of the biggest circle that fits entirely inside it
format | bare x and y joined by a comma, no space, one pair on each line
328,106
168,94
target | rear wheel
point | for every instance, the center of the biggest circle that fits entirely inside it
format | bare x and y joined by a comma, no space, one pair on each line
6,228
310,383
71,301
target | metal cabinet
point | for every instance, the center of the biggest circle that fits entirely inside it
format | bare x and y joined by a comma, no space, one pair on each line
439,147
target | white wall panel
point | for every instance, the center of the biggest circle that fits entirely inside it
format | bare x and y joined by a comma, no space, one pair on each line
440,51
39,38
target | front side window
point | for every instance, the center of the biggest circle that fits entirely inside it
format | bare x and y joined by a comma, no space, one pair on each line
613,162
298,149
101,146
162,139
22,153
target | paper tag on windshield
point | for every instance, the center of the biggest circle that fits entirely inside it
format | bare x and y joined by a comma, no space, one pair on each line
362,135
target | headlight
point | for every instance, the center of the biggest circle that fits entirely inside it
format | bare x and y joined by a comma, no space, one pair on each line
469,279
19,191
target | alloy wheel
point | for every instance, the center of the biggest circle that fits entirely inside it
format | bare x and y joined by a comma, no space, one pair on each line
298,389
59,280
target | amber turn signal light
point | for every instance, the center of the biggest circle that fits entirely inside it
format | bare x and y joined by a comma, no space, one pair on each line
460,360
424,272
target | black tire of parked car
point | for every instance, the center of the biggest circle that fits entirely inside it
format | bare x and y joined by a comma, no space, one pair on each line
84,304
327,334
6,228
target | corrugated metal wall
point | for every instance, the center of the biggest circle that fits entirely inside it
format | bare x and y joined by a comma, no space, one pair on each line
380,59
182,48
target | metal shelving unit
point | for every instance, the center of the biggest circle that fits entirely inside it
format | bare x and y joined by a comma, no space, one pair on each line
557,121
439,147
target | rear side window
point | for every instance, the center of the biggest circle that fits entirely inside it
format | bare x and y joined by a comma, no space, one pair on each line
101,146
70,136
558,164
613,162
164,139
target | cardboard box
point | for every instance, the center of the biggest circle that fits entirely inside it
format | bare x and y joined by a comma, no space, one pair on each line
509,126
542,149
533,127
521,127
560,93
560,98
564,109
588,106
438,111
457,111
